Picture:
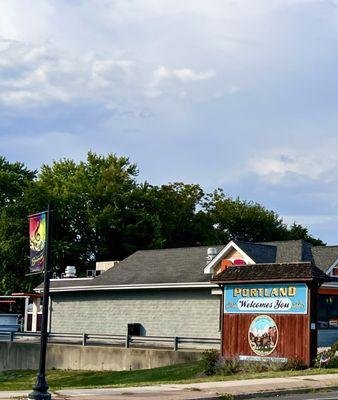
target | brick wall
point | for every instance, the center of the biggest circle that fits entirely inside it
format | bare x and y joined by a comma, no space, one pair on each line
193,312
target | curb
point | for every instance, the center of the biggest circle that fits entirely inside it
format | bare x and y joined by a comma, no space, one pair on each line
272,393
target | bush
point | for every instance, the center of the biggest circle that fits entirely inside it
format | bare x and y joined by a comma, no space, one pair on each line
294,364
324,355
333,363
210,360
228,366
334,347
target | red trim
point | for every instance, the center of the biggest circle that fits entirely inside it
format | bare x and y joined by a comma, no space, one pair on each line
32,295
328,291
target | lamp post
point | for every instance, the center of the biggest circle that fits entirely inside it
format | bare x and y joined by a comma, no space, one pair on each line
40,389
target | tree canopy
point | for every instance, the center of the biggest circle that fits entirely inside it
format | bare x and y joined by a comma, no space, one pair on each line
101,212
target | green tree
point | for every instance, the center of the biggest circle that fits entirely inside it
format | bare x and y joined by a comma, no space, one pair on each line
15,179
98,210
250,221
178,209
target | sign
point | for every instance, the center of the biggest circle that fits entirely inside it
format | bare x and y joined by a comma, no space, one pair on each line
264,359
263,335
266,298
37,242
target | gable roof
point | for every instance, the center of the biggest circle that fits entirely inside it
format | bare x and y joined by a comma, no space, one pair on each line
325,256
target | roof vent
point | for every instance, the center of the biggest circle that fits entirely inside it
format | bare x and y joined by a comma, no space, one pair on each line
211,254
70,272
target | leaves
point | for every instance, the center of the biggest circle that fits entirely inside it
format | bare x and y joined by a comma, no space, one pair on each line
101,212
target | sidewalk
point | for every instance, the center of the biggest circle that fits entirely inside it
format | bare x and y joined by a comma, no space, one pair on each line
204,390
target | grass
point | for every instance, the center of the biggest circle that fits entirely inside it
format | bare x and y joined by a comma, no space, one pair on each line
180,373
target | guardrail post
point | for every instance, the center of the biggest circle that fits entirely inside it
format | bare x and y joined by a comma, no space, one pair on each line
11,336
175,343
84,339
127,341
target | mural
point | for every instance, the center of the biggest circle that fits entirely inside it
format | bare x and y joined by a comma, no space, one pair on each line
263,335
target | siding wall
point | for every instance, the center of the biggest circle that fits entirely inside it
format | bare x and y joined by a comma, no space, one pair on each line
193,312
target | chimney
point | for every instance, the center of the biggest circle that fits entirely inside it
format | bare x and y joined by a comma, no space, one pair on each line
103,266
211,254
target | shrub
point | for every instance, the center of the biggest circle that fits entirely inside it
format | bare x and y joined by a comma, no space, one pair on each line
333,363
228,366
210,360
324,355
334,347
294,364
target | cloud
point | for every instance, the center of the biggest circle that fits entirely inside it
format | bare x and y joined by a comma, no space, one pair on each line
235,94
318,163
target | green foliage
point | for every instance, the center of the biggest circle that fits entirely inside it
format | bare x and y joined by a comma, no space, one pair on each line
210,360
228,366
294,364
101,212
249,221
15,181
334,347
329,355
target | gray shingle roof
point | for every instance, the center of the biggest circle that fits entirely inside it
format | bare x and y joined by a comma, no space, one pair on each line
185,265
259,252
179,265
324,256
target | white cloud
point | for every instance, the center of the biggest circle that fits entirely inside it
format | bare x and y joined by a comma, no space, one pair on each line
189,75
315,163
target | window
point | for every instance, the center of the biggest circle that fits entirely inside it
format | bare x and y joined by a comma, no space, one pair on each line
327,311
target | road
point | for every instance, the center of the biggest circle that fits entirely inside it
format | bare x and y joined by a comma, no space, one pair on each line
332,395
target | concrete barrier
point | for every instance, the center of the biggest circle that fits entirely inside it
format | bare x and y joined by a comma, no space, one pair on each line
20,356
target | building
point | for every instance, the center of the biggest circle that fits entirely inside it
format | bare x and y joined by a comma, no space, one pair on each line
168,292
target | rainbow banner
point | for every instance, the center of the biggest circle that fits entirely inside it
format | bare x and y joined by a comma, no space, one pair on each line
37,242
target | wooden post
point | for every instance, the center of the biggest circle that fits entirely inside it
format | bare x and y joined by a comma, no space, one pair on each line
175,343
222,317
313,320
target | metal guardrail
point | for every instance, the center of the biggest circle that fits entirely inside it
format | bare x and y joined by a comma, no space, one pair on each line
84,339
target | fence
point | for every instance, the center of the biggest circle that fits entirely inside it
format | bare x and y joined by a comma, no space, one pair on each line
175,343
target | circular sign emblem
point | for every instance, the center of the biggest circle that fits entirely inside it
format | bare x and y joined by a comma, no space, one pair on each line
263,335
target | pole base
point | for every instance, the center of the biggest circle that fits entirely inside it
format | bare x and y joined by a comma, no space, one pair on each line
37,395
40,389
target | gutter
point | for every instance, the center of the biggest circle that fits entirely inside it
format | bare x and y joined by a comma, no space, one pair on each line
187,285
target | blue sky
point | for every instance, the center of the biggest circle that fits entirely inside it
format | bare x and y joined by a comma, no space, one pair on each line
241,95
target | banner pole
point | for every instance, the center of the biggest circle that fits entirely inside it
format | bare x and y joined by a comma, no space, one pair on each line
40,389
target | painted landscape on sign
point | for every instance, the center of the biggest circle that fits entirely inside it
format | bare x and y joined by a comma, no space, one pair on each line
263,335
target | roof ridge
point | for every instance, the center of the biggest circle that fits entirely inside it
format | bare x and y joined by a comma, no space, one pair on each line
180,248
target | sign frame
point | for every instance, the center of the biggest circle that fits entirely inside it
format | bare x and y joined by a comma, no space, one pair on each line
229,307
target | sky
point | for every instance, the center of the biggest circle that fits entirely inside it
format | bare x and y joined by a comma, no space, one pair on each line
237,94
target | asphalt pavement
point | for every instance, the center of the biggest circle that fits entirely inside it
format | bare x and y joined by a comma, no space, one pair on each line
331,395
